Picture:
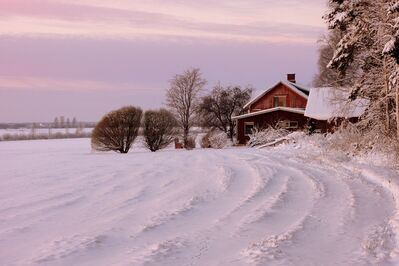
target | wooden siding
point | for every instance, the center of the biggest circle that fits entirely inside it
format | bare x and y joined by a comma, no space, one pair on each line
264,120
293,99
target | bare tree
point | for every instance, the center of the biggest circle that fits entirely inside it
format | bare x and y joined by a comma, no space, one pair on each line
74,122
62,121
56,123
33,129
117,130
159,129
183,97
67,125
221,104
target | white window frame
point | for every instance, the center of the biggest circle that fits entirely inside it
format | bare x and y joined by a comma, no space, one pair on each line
283,123
287,124
248,124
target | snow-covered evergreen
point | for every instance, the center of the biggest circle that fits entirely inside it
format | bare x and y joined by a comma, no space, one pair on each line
370,43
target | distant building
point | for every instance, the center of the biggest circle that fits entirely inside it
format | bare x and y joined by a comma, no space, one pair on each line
282,105
292,106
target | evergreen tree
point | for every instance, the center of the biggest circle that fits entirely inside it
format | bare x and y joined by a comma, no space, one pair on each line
368,35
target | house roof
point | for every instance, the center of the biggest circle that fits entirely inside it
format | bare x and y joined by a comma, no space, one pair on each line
299,89
287,109
327,103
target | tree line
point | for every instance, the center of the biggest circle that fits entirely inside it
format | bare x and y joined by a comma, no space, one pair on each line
188,104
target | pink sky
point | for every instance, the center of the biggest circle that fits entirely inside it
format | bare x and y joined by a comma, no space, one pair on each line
85,57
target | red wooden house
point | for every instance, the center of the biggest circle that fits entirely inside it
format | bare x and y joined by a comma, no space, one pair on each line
282,105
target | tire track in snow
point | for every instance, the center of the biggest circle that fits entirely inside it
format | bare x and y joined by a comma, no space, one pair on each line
241,189
335,219
230,207
215,236
379,241
285,216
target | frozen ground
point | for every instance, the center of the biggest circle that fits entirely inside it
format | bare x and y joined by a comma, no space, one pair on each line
61,204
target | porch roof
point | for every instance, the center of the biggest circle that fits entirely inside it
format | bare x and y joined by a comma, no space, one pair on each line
287,109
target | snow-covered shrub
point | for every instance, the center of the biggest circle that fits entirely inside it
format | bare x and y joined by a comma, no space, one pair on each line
219,140
346,139
216,139
352,140
269,134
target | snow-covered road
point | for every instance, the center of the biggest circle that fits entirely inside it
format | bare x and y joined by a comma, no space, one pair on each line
60,204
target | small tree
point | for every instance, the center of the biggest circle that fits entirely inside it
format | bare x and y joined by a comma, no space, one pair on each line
183,96
74,123
221,104
56,123
62,121
159,129
33,130
67,125
117,130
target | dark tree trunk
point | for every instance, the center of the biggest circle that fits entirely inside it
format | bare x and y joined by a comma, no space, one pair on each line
185,137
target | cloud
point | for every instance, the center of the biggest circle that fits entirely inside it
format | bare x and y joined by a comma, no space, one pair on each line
16,83
86,57
155,20
148,64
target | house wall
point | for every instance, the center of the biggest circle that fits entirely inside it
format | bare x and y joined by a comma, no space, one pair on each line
293,100
264,120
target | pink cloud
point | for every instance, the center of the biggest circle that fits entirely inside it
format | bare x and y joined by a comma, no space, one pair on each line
92,19
96,55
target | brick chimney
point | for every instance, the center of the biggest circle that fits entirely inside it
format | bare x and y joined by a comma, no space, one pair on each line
291,78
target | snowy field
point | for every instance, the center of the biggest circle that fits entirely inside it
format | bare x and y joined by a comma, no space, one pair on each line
40,131
61,204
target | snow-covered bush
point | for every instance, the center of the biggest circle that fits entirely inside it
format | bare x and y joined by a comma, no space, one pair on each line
269,134
354,141
219,140
346,139
216,139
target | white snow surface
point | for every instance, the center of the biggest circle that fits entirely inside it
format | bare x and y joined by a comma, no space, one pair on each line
62,204
327,103
40,131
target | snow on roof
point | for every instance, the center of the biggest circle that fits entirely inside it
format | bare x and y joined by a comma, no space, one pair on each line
299,89
327,103
287,109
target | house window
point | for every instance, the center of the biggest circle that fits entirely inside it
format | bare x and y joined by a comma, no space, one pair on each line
248,128
279,101
283,124
293,124
288,124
